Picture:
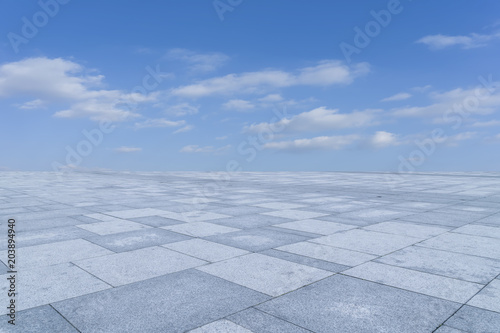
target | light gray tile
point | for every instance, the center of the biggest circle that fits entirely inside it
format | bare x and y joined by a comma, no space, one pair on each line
488,298
474,245
295,214
316,226
44,285
474,320
479,230
265,274
194,216
36,320
123,268
221,326
371,242
455,265
407,229
134,213
112,227
206,250
261,322
424,283
200,229
327,253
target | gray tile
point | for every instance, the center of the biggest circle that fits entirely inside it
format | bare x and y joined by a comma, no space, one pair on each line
447,329
352,305
240,210
277,205
488,298
265,274
134,213
455,265
435,218
193,216
123,268
56,253
371,242
156,221
44,285
221,326
303,260
44,236
200,229
256,239
250,221
316,226
112,227
133,240
295,214
258,321
375,214
474,320
327,253
479,230
36,320
473,245
173,303
206,250
407,229
424,283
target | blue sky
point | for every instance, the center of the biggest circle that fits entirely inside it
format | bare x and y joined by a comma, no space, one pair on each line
250,85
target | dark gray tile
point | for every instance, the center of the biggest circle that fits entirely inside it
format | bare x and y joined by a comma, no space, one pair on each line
474,320
256,239
317,263
37,320
156,221
258,321
250,221
344,304
172,303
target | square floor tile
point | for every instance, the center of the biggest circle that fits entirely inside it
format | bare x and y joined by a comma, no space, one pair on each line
345,304
176,302
206,250
456,265
474,245
133,240
479,230
424,283
367,241
221,326
295,214
407,229
112,227
474,320
133,213
127,267
316,226
250,221
56,253
44,285
328,253
194,216
256,239
488,298
200,229
36,320
258,321
265,274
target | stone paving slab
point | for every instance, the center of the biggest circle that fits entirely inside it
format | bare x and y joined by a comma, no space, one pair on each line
267,252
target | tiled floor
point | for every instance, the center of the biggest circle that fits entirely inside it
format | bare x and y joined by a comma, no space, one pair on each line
262,252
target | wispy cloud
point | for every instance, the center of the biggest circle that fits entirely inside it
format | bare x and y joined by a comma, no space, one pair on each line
398,97
319,119
325,73
125,149
198,62
34,104
438,42
182,109
205,149
238,105
186,128
382,139
486,123
158,122
316,143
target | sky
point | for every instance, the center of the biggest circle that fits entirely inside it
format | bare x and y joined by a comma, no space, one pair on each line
250,85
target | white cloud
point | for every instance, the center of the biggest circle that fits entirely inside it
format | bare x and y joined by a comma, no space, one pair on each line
319,119
238,105
453,103
325,73
63,81
205,149
271,98
398,97
182,109
124,149
437,42
34,104
454,140
158,122
383,139
186,128
486,123
198,62
317,143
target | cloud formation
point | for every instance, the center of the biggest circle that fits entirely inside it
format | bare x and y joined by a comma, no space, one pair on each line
439,42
